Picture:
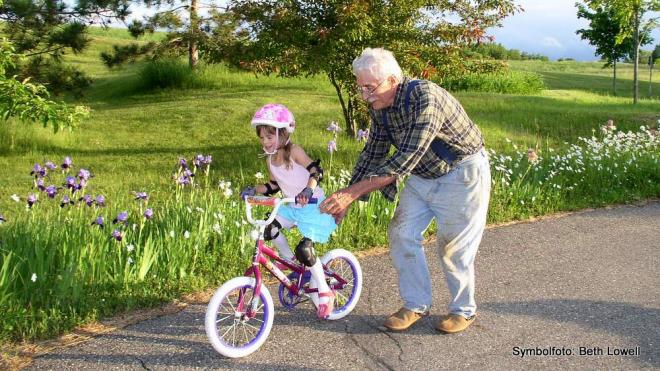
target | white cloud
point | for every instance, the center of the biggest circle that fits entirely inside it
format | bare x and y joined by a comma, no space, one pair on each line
551,42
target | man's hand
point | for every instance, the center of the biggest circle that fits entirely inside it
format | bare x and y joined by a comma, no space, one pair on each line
337,203
340,216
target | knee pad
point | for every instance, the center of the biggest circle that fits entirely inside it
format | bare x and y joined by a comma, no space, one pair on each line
272,230
305,252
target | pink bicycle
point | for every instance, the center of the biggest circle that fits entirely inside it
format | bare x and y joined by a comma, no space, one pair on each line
240,315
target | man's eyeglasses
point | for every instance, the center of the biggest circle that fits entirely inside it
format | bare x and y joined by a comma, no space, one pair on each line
368,91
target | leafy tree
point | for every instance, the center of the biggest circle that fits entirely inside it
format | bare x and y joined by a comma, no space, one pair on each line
188,33
602,34
45,30
30,102
629,14
293,38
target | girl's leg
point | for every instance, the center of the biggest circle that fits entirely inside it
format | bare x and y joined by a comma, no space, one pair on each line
324,298
280,241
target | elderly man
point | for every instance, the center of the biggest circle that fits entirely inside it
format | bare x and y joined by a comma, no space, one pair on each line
442,152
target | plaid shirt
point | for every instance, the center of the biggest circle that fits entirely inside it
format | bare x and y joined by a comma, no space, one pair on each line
432,113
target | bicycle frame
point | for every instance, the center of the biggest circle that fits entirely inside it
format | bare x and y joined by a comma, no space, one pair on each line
263,252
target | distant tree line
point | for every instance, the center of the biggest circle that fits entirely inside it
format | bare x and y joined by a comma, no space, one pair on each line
498,51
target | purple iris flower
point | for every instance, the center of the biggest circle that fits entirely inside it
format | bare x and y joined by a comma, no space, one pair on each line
31,199
362,135
66,164
183,163
87,199
121,218
141,196
98,221
148,214
50,165
332,146
100,200
51,191
40,184
83,174
183,180
38,171
82,184
66,201
333,127
188,173
116,235
198,160
207,160
70,183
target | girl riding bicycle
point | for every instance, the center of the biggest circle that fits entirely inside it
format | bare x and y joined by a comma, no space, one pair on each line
293,173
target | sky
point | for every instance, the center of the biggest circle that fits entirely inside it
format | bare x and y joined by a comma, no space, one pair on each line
548,27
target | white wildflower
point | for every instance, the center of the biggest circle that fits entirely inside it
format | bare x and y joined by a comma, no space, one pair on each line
130,247
34,277
216,228
15,197
259,175
186,235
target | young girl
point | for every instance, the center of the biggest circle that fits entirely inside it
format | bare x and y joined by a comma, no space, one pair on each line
296,175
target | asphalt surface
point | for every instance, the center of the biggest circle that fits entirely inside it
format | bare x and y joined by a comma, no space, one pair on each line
588,280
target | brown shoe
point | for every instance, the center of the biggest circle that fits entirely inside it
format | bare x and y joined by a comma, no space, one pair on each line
402,319
452,323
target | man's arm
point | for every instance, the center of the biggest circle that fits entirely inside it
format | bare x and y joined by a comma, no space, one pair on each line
337,204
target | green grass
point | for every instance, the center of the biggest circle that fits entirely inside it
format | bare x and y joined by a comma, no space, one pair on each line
134,138
592,77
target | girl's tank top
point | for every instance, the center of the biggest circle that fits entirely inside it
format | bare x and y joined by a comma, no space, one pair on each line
292,180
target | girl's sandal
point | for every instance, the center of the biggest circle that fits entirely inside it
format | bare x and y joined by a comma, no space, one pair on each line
324,310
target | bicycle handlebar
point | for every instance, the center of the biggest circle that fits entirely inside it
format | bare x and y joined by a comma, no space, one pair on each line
276,202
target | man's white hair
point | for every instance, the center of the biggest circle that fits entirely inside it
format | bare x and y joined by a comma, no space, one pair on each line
379,62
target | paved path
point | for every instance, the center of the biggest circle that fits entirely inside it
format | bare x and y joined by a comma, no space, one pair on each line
589,280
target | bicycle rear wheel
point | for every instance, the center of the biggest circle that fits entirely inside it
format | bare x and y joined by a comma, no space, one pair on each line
232,332
346,266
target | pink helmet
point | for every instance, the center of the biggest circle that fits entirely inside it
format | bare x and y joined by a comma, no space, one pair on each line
276,115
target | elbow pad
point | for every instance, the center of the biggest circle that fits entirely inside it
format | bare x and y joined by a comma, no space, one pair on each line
271,188
315,170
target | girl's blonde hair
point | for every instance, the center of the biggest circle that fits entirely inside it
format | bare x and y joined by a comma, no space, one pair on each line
283,134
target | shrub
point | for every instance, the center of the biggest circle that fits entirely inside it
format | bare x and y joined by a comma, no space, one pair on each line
165,73
511,82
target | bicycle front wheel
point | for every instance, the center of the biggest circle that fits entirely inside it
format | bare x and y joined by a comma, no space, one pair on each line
232,328
346,266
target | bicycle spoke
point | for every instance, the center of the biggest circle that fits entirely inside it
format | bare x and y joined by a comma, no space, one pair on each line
247,337
248,325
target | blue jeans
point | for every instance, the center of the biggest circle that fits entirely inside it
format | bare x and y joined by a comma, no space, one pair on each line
458,201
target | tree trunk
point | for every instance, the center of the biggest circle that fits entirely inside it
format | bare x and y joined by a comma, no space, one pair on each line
614,79
193,55
650,75
636,42
346,107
